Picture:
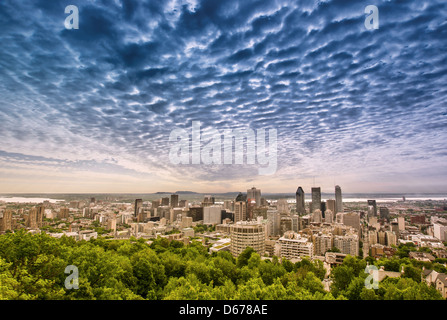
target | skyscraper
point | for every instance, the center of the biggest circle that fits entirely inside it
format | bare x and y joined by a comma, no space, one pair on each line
208,200
300,208
40,215
6,221
384,213
282,206
240,211
32,219
372,208
212,214
174,200
352,219
274,221
254,194
330,205
138,205
316,199
338,200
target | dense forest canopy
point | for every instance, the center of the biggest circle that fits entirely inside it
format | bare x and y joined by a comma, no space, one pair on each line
32,267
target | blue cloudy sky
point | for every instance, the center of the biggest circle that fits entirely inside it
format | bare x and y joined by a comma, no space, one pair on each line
91,109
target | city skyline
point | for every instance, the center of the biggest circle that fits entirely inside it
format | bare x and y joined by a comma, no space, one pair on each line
91,110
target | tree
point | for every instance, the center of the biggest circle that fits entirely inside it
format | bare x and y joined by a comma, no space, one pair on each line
342,277
312,283
412,273
189,288
253,289
242,260
287,265
149,273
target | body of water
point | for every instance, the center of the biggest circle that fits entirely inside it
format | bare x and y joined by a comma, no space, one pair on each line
27,200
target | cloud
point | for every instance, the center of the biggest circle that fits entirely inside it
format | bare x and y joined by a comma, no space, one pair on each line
349,104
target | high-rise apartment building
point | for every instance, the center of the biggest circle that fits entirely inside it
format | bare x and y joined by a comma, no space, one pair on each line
245,234
391,238
297,223
372,237
338,200
31,221
401,223
339,217
274,221
316,199
322,243
63,213
348,244
381,237
285,224
328,216
440,229
300,205
240,211
6,221
40,216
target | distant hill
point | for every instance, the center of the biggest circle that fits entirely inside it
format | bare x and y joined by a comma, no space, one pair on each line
186,192
177,192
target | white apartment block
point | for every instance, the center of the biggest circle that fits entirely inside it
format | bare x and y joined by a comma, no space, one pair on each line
293,246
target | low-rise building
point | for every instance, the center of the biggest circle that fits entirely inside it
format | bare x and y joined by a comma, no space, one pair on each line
87,235
421,256
441,284
334,258
221,245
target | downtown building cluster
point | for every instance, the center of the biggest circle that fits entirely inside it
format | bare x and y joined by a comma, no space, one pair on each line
290,228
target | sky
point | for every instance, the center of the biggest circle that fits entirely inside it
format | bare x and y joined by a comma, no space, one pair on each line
92,109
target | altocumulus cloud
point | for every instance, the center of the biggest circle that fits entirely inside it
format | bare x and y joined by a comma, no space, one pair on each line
363,107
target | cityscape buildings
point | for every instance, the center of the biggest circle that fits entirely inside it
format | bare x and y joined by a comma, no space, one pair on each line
316,199
338,200
275,227
300,204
